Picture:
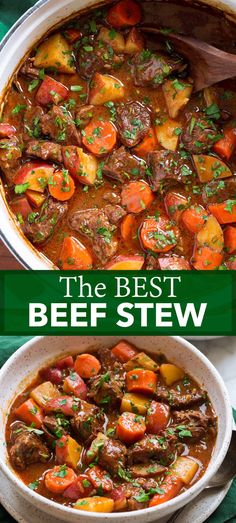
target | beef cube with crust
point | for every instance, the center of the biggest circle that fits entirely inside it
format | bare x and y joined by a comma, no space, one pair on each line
151,69
87,422
180,401
123,166
195,422
166,166
51,213
96,225
161,448
107,390
45,150
97,56
199,134
26,447
10,155
58,124
133,120
112,456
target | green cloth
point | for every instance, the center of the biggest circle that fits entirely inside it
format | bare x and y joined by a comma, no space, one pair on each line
9,13
226,513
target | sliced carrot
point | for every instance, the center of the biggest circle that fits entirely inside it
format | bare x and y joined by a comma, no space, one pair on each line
99,137
147,145
175,204
194,218
158,234
224,212
74,255
226,145
141,380
124,351
130,427
205,259
30,413
128,227
230,239
59,478
136,196
171,487
125,13
61,186
125,263
87,365
157,418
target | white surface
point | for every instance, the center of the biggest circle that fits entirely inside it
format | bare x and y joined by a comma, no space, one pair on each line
206,503
222,353
40,351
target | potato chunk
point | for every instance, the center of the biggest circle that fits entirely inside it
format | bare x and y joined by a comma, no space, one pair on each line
104,89
177,94
96,444
55,53
68,451
113,38
44,392
142,361
185,468
211,235
168,134
134,42
95,504
171,373
210,168
136,403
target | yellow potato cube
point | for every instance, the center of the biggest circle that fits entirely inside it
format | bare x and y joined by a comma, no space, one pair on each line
177,94
95,445
168,134
143,361
55,53
134,42
72,453
171,373
88,168
136,403
95,504
113,38
211,235
44,392
104,89
210,168
185,468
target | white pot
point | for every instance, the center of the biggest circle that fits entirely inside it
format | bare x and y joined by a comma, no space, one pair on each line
20,369
24,34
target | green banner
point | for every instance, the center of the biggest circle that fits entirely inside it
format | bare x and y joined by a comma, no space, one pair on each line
112,302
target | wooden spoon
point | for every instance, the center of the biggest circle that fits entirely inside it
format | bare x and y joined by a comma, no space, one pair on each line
208,65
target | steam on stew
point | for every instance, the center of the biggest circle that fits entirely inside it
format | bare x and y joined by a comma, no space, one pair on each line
109,158
113,430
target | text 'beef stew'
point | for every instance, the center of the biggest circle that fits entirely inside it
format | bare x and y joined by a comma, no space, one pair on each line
113,430
109,158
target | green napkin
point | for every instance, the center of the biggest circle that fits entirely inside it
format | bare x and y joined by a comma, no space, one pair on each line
226,513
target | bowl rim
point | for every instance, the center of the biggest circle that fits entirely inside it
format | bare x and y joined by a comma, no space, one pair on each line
174,503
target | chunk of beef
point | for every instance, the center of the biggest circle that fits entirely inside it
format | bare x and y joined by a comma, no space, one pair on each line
107,390
96,225
45,150
84,115
10,154
180,401
218,191
87,422
112,456
109,362
131,493
32,122
123,167
197,423
112,197
151,69
97,56
29,70
168,165
133,121
199,134
147,483
59,125
152,263
45,222
52,428
161,448
26,447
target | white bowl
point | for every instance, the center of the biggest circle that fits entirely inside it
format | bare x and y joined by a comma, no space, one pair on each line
25,33
23,365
